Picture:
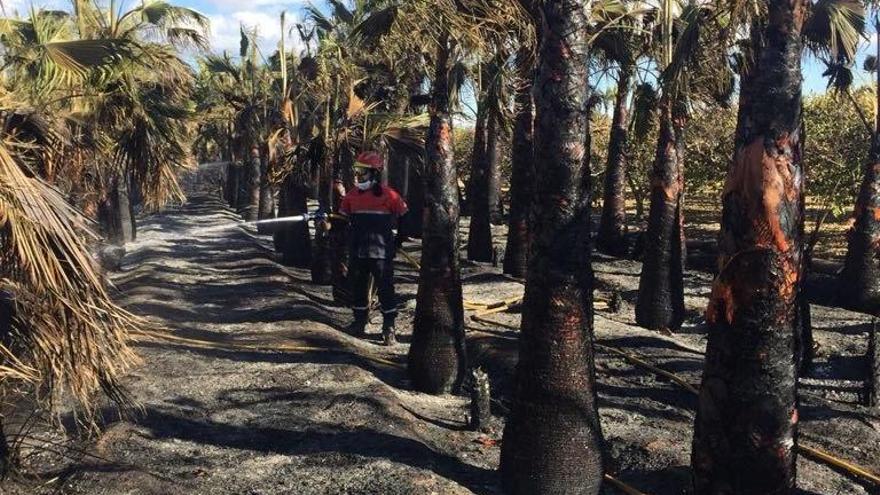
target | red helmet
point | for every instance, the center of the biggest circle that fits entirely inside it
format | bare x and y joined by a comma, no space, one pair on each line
370,160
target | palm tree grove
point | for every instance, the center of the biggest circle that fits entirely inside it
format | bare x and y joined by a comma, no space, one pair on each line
440,247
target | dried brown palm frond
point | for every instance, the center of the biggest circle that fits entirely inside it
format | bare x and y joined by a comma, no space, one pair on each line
67,337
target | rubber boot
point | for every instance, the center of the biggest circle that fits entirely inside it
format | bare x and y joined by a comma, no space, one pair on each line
358,327
389,335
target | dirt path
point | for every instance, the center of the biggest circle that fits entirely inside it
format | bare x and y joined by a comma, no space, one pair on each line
256,390
220,418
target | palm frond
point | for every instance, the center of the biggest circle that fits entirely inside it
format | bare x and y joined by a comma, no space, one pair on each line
341,12
375,26
835,28
67,336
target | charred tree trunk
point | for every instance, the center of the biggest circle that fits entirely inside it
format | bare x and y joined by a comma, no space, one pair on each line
342,180
113,214
7,308
553,440
412,224
745,434
293,240
859,284
484,186
660,303
612,226
872,384
267,196
322,256
436,361
232,178
516,254
252,208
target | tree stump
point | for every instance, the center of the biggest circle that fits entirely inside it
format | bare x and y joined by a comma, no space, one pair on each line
481,412
872,384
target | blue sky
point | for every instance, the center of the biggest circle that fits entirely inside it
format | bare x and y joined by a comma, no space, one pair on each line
227,15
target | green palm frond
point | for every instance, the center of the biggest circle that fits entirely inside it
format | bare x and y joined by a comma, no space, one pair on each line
319,19
840,76
374,27
341,12
835,28
80,55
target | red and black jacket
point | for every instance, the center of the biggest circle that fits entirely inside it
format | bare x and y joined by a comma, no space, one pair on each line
372,218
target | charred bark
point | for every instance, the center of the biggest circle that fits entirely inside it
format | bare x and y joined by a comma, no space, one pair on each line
293,240
660,303
612,226
7,309
516,254
267,195
553,439
745,433
252,207
859,284
412,224
339,232
484,187
436,361
872,384
114,213
322,255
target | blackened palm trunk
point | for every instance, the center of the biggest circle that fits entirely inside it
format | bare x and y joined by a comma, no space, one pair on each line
553,440
339,232
484,185
412,225
114,214
516,254
322,255
267,195
859,286
294,241
612,226
872,383
232,183
7,313
436,361
745,434
660,302
252,209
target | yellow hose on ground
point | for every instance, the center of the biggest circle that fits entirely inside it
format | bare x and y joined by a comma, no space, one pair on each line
623,487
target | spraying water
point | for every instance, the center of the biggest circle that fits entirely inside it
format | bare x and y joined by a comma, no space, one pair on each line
305,217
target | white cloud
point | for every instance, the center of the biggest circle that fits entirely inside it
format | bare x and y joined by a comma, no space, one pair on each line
226,29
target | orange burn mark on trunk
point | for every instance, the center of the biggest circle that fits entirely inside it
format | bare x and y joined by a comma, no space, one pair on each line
443,138
764,182
876,212
670,189
794,417
721,301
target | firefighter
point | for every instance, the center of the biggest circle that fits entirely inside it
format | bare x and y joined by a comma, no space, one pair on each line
373,211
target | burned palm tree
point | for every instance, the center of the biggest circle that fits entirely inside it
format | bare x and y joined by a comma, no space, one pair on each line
436,361
553,439
859,282
621,43
516,253
693,76
746,427
484,187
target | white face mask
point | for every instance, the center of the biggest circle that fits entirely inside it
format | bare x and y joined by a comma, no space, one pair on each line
363,186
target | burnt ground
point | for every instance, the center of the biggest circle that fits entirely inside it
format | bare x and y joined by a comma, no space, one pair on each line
256,390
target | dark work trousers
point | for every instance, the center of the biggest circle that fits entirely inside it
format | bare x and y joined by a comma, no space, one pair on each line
382,270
